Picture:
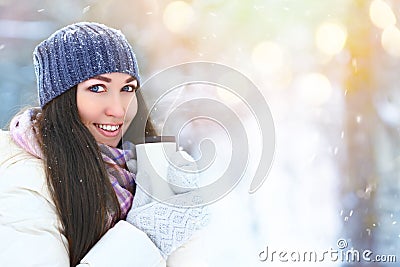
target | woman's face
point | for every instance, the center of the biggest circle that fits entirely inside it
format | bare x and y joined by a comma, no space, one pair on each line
103,105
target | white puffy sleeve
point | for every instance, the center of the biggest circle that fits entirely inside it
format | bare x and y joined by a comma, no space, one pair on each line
124,246
29,227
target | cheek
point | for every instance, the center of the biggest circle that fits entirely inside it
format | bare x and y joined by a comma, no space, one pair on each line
131,112
86,109
131,109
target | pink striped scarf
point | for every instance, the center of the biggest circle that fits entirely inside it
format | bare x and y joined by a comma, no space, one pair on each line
24,133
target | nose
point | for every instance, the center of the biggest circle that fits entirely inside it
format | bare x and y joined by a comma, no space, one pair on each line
115,106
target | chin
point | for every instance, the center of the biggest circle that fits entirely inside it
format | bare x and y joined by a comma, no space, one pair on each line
111,144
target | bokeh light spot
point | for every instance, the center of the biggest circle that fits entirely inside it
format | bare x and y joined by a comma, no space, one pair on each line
314,89
391,41
381,14
331,38
178,16
268,57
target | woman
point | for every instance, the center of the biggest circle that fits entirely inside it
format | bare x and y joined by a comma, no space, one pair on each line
64,186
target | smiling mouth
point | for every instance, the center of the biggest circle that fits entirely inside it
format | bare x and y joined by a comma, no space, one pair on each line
108,127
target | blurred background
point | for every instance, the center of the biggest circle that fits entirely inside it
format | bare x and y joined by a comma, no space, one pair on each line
329,71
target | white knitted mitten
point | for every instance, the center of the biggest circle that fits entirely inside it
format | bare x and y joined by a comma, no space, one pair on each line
168,226
172,222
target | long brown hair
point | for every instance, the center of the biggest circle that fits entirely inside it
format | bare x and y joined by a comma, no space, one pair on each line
76,176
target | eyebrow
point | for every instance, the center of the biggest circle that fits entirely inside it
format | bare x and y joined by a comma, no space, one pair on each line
108,80
130,79
102,78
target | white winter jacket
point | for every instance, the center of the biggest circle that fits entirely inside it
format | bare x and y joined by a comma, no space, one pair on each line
29,225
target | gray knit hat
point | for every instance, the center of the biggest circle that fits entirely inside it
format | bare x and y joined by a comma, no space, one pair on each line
78,52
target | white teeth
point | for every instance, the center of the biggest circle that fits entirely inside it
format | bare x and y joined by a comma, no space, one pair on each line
110,128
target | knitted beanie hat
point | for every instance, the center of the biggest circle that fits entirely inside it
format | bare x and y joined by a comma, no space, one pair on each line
78,52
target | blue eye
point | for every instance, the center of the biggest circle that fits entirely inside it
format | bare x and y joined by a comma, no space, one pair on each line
97,88
128,88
